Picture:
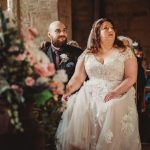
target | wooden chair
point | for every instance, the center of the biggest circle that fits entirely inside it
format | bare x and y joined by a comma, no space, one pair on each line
144,105
146,90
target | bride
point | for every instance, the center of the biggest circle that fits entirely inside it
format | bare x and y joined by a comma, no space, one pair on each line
102,115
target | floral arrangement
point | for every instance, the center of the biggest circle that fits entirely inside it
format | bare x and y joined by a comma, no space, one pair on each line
27,77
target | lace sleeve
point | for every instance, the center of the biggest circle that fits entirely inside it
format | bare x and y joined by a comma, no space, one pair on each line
128,54
82,56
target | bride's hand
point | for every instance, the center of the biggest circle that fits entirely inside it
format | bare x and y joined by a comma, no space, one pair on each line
65,97
110,95
66,94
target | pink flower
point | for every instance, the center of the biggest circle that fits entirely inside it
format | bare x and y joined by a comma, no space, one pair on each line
17,88
44,70
33,33
29,81
30,57
57,88
29,33
13,48
21,57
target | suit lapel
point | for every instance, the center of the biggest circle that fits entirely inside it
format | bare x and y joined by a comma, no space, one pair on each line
49,53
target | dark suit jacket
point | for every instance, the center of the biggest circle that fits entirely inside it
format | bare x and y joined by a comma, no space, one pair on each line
72,52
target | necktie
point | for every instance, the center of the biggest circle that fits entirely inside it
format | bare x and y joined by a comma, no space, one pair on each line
57,58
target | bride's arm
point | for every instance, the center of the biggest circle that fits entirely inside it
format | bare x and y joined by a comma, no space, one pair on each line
77,79
130,78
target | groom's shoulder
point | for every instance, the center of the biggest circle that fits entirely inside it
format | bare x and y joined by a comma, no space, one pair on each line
73,49
46,46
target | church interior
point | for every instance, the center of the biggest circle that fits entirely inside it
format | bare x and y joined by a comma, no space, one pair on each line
132,19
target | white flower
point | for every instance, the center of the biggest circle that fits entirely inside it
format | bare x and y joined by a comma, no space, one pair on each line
0,23
13,48
42,80
135,43
60,76
108,136
9,112
64,58
1,34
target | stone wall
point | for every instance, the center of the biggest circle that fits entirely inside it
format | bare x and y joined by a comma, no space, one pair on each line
38,13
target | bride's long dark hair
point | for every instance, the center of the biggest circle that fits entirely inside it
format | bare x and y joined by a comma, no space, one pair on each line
93,44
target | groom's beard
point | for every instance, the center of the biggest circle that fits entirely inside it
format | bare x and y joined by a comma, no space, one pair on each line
60,42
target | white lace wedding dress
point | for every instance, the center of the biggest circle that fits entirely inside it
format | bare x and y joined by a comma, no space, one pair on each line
89,123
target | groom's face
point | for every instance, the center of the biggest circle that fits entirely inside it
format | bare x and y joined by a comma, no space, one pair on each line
58,34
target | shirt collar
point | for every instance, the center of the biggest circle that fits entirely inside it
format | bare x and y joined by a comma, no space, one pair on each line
54,49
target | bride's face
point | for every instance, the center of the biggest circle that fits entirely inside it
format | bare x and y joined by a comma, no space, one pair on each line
107,32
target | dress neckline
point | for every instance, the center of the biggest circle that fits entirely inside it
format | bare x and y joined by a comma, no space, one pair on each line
105,59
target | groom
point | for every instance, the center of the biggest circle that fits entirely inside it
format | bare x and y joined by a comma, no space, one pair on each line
62,55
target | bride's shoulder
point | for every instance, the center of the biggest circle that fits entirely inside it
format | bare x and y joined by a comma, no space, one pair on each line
127,53
84,55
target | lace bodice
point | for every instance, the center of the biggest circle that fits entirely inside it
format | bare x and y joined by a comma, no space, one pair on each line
112,69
